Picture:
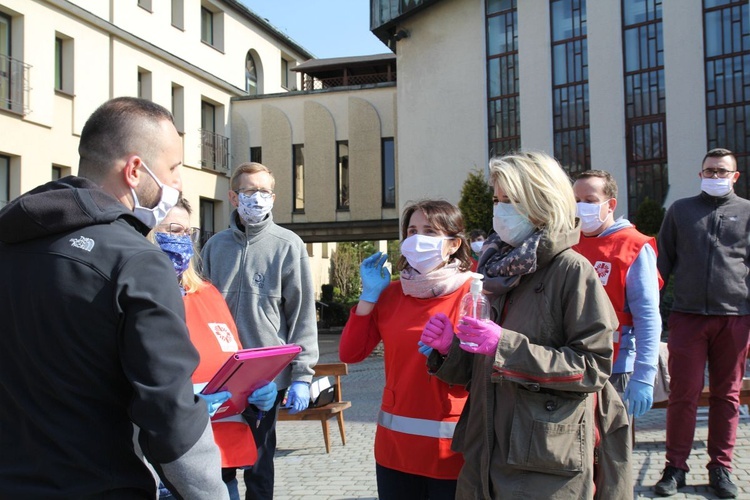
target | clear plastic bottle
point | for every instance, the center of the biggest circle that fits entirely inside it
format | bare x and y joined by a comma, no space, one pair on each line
474,303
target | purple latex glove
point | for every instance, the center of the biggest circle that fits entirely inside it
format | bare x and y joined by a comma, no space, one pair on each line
484,335
438,333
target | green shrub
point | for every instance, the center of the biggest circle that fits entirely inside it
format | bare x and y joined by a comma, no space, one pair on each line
649,216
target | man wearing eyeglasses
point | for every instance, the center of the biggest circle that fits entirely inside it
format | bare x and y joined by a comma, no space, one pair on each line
703,243
263,272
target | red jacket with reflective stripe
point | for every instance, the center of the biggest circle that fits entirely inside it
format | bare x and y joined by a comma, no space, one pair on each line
214,335
410,391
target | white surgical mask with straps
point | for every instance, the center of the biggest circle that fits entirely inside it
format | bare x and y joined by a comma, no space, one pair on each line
152,217
424,253
511,225
716,187
590,215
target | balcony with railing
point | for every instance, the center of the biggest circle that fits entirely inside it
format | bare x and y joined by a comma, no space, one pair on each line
214,151
14,85
319,74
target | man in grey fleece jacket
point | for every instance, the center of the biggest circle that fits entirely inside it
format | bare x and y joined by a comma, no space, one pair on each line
263,272
704,243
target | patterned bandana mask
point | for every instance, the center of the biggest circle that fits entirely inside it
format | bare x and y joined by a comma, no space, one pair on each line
179,249
253,208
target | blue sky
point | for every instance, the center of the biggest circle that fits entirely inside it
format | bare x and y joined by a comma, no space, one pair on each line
326,28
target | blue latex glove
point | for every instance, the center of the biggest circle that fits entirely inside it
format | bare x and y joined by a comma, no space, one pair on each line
424,348
375,277
264,397
639,397
477,336
298,397
215,400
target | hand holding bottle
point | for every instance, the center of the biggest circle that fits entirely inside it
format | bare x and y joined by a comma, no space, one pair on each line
438,333
375,277
478,336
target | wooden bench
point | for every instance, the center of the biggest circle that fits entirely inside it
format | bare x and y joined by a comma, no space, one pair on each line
326,412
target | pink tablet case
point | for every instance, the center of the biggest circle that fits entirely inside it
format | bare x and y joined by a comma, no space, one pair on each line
245,371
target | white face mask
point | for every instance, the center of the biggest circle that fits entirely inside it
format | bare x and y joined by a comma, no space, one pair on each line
423,253
152,217
589,213
476,246
716,187
253,208
510,225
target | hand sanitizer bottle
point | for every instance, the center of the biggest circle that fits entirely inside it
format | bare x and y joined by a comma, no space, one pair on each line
474,303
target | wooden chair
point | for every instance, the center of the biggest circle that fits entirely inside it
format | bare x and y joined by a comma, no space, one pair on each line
326,412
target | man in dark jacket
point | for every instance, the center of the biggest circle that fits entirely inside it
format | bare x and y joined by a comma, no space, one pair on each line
703,243
94,350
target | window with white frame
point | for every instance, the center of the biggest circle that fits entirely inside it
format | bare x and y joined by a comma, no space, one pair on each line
64,53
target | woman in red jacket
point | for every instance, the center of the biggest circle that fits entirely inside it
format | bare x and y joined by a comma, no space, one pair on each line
418,412
214,334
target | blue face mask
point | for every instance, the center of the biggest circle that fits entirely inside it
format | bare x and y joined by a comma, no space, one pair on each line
510,225
179,249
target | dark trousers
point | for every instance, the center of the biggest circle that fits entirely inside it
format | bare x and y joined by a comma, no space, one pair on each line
259,477
396,485
693,340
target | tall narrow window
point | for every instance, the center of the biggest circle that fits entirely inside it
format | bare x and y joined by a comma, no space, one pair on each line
727,55
178,14
251,75
284,73
256,154
570,85
645,105
207,222
178,107
389,172
298,177
58,63
502,74
4,180
214,147
144,84
64,54
342,175
207,26
6,63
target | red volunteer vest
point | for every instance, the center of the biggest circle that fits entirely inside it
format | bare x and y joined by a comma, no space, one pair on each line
611,257
214,335
418,411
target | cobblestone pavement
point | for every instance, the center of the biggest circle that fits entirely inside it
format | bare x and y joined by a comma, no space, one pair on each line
305,471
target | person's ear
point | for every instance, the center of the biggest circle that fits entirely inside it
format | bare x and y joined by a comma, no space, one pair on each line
453,245
612,205
131,173
234,199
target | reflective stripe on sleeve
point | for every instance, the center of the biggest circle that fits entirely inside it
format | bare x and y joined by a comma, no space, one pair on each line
416,426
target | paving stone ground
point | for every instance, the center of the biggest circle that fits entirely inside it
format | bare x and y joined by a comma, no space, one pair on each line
305,471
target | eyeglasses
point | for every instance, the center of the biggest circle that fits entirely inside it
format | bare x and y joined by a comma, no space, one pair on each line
719,172
176,229
264,193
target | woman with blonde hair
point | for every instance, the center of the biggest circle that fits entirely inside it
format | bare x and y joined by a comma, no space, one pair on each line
541,421
214,334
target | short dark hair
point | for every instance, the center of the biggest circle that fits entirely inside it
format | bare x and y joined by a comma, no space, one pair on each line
444,217
719,153
119,127
610,186
476,233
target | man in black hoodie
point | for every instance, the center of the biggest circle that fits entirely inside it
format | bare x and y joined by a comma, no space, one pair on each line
95,357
